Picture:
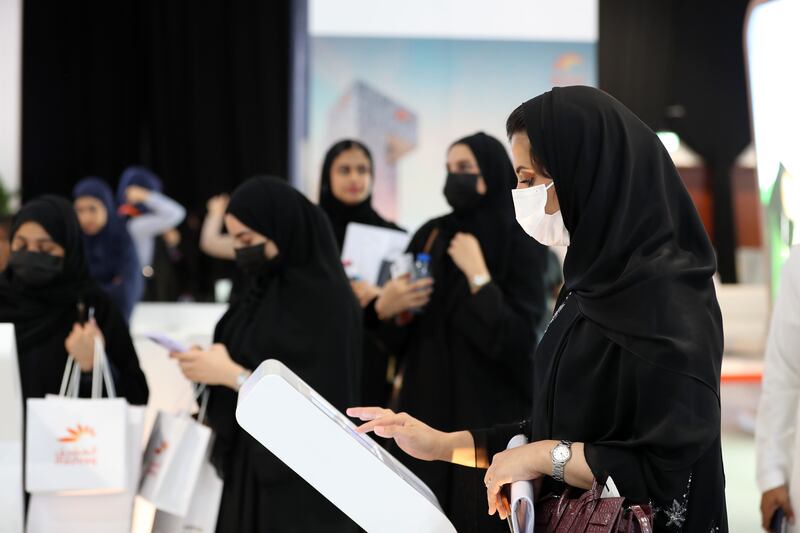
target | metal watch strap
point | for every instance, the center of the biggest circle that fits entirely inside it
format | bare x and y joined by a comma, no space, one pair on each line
558,466
241,378
480,280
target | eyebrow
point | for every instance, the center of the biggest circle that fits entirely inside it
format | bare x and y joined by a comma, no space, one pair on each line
522,167
43,240
242,234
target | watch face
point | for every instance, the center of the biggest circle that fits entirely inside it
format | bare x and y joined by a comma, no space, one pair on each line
561,453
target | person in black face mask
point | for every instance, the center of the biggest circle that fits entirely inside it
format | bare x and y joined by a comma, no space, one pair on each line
46,292
299,309
475,338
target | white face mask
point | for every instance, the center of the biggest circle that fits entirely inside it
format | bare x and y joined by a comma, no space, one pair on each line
529,206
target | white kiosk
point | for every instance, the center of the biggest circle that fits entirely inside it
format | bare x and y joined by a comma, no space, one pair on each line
11,506
321,444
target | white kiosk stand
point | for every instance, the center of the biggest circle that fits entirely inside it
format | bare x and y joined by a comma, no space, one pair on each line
11,507
319,443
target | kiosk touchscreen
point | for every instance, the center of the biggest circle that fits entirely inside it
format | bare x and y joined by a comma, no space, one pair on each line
321,444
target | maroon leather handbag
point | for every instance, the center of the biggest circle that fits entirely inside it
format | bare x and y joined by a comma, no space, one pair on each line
576,511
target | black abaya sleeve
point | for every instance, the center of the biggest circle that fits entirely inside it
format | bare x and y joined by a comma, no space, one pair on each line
671,431
129,379
663,428
491,441
502,318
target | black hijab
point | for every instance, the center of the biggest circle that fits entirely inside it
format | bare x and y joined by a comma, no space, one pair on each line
35,310
339,213
492,222
299,310
639,270
636,237
44,316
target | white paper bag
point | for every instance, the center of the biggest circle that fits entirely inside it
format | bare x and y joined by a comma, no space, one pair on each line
93,513
203,510
172,462
75,444
104,513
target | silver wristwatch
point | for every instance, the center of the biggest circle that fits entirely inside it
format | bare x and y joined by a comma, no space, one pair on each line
479,280
241,378
561,455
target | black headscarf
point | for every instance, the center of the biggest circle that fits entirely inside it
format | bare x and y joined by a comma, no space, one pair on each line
300,310
639,271
636,237
341,214
31,308
43,316
492,222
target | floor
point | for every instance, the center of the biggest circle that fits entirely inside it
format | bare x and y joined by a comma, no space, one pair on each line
743,497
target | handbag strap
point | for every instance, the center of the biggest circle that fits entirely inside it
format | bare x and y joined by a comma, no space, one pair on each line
431,240
642,518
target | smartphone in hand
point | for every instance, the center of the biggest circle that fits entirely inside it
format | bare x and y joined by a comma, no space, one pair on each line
778,523
169,343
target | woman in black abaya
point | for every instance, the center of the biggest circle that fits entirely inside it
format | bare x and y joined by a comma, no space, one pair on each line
345,194
46,292
475,338
299,308
627,373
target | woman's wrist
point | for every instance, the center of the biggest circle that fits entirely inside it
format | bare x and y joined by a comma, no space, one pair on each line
458,447
543,460
231,379
381,308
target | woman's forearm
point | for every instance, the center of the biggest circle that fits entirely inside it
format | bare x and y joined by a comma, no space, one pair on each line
212,241
459,448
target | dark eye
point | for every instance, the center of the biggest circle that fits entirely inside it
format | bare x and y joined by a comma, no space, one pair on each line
528,182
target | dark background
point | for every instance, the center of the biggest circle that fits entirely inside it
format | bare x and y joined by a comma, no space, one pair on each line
196,90
199,90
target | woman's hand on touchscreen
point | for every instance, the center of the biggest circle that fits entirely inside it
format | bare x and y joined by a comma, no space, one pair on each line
412,436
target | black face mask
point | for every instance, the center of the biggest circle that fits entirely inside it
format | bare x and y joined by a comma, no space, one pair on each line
35,269
252,261
461,191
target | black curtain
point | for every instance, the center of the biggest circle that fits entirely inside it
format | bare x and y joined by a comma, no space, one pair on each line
679,65
196,90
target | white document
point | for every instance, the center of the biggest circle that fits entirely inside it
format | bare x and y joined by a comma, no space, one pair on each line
10,433
521,497
366,247
321,444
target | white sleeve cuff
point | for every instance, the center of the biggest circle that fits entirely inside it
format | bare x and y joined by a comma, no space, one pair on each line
771,480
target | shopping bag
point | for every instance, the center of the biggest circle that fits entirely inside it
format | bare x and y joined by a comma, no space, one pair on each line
75,444
203,509
172,462
70,512
103,513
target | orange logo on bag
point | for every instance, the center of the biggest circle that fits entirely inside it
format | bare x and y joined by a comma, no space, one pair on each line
77,433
